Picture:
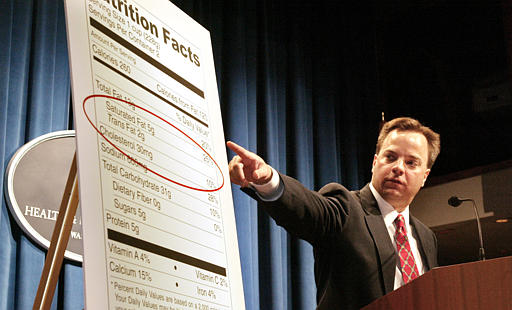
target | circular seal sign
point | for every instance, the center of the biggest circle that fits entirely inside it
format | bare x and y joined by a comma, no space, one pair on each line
34,185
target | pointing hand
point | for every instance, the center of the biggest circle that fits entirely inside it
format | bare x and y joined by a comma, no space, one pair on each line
247,167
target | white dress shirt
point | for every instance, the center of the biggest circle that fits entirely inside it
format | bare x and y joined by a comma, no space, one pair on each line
389,214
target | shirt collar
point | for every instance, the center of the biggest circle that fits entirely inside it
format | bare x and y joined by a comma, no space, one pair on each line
386,209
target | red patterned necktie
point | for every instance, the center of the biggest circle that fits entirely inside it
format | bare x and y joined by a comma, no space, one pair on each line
407,263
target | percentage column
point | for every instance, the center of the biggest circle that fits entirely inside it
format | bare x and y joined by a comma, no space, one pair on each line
217,228
213,198
211,294
215,213
145,275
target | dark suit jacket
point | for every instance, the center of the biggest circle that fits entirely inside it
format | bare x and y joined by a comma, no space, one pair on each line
355,260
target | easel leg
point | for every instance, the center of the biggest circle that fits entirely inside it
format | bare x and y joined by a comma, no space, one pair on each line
59,242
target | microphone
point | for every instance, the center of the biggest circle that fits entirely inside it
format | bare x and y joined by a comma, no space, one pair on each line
455,201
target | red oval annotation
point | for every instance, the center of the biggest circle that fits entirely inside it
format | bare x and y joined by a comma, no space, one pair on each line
135,160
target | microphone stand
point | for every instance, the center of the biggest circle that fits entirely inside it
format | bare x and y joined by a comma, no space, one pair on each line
481,252
454,201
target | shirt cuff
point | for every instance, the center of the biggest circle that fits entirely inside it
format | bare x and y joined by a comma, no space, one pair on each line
270,191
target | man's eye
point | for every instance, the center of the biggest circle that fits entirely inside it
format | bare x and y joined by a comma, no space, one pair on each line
412,163
390,157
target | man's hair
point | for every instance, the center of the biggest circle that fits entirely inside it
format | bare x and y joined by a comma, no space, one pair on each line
410,124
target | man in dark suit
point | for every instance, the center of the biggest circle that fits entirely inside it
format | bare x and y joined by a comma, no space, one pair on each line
365,242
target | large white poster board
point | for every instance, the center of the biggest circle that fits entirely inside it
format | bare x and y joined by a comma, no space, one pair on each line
158,222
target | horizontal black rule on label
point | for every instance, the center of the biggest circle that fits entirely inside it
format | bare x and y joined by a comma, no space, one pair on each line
149,91
159,250
146,57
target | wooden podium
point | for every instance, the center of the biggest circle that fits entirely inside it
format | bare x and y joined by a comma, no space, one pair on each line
478,285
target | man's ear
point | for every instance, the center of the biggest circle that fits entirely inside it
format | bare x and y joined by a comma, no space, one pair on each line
374,161
427,172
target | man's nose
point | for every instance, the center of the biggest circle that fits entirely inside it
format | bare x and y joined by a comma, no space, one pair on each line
399,167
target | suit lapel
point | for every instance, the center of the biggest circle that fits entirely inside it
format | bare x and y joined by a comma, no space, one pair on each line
426,243
380,235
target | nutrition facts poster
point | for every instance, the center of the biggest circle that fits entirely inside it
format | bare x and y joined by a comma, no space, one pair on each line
158,221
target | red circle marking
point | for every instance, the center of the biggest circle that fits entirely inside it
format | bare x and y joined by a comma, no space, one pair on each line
130,157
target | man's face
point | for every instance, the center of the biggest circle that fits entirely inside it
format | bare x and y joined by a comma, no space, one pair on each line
400,168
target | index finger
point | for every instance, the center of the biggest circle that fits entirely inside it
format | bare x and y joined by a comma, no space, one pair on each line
240,151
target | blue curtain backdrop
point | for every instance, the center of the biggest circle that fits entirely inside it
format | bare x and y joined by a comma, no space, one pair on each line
297,85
